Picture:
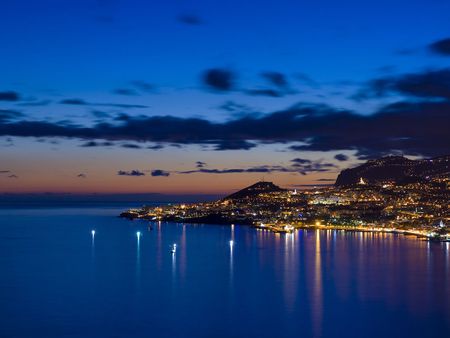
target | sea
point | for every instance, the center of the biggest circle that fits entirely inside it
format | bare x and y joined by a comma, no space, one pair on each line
81,271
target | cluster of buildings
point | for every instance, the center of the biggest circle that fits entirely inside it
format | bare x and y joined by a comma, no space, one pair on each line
416,208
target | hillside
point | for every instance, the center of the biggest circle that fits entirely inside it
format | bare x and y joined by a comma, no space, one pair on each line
396,169
255,189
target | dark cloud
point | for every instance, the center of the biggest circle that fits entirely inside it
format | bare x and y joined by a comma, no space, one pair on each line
276,78
234,145
233,107
307,167
200,164
130,173
125,91
159,172
80,102
96,144
82,175
100,114
341,157
441,47
326,180
419,128
13,176
7,115
9,96
143,86
5,171
190,19
301,161
219,79
264,92
306,79
426,84
304,169
130,146
155,147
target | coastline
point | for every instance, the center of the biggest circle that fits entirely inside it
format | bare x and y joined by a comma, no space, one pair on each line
286,229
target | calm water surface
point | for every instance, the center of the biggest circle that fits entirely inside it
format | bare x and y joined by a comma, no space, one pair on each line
56,280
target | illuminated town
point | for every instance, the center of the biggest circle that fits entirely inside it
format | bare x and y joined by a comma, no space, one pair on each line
418,207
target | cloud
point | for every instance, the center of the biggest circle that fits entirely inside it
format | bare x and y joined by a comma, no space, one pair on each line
159,172
414,128
130,173
341,157
300,161
96,144
219,79
305,167
200,164
7,115
190,19
301,169
233,107
100,114
155,147
279,83
131,146
426,84
78,102
82,175
5,171
13,176
276,78
143,86
234,145
125,91
306,79
9,96
264,92
81,102
441,47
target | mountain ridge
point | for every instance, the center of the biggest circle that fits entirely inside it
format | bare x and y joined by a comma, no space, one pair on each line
395,169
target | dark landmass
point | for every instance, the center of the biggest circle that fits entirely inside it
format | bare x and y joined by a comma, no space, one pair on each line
395,169
255,189
391,194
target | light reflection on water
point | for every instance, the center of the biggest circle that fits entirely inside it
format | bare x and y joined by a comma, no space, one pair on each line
311,282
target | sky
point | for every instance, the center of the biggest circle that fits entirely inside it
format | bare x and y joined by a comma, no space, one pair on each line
206,97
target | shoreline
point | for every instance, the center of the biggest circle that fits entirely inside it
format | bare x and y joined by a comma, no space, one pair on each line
424,234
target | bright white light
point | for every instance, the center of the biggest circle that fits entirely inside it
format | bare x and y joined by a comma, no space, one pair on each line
138,234
93,233
231,243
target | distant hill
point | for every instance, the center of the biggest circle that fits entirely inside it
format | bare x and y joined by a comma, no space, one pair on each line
396,169
255,189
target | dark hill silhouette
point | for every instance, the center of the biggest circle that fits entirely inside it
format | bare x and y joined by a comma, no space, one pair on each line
396,169
255,189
